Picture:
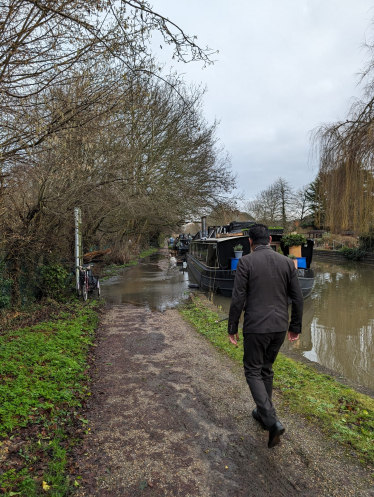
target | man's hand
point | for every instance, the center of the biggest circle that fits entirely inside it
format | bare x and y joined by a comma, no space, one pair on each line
234,339
292,337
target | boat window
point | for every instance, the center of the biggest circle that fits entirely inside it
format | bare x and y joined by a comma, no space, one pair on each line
212,256
202,252
205,252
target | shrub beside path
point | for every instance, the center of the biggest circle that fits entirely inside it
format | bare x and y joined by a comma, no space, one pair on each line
171,416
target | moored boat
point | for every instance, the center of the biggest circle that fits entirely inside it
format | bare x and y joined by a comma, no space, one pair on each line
210,259
181,244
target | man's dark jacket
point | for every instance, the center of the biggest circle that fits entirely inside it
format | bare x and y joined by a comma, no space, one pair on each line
264,281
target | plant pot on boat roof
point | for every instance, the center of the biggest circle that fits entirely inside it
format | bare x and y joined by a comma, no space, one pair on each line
294,258
238,251
294,241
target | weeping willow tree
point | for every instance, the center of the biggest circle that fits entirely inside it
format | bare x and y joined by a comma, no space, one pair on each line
346,162
346,173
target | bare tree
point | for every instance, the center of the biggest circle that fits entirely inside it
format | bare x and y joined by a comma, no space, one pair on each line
45,43
286,200
302,204
274,205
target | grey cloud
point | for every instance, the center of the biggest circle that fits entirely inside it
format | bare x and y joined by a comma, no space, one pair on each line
283,68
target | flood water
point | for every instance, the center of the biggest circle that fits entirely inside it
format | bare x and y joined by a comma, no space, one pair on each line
152,283
338,321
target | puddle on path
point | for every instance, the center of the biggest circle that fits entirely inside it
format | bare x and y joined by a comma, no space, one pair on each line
152,283
338,320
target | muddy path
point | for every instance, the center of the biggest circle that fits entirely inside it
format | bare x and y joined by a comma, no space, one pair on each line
170,416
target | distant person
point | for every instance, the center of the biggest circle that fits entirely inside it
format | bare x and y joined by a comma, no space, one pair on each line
171,241
264,281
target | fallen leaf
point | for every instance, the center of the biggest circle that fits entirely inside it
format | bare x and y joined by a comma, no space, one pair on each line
226,467
150,484
45,486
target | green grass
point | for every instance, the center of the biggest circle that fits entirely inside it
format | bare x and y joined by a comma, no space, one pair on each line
344,414
147,252
43,383
113,269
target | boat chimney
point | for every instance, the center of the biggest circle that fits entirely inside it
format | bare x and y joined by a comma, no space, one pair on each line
203,227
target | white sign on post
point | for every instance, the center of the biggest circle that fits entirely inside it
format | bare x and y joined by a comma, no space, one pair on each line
78,242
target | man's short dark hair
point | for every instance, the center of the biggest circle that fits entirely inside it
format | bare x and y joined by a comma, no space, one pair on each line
259,234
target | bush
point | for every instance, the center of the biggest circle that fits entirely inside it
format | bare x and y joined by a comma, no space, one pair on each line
353,254
54,279
306,225
367,242
293,240
121,254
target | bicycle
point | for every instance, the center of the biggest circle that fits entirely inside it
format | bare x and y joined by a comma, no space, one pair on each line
87,282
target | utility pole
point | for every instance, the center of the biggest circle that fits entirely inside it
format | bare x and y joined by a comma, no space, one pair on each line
78,242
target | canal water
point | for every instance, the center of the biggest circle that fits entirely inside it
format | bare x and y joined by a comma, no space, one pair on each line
338,321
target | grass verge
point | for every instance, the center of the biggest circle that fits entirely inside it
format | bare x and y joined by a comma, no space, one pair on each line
43,384
344,414
113,269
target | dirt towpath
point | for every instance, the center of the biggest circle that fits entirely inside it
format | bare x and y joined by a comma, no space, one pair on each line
171,416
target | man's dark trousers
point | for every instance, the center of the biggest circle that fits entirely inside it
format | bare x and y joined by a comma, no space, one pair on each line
260,352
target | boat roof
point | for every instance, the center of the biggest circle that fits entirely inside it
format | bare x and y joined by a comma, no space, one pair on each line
219,240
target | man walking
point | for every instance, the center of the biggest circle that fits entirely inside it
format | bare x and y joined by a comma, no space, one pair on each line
264,281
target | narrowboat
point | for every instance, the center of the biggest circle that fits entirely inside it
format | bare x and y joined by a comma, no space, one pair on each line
181,244
211,263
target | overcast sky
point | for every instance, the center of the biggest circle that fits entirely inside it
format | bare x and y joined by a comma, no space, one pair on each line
283,68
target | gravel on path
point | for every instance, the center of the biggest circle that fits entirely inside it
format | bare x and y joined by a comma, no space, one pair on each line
171,416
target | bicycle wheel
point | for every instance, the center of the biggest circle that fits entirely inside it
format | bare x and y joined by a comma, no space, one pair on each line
84,292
